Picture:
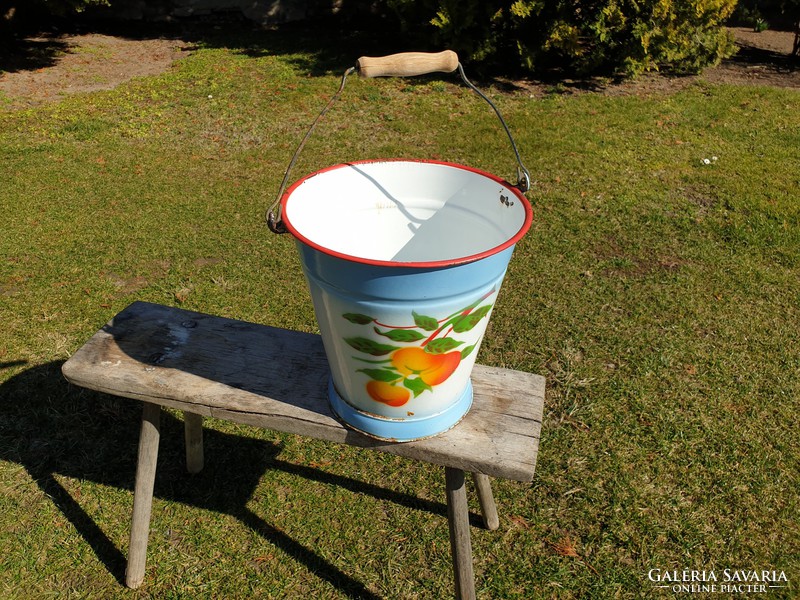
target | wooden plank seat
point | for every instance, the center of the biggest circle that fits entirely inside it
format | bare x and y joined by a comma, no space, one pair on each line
210,366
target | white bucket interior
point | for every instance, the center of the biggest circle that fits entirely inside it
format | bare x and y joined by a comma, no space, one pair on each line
404,211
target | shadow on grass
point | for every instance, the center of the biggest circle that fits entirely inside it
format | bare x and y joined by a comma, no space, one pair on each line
31,53
318,47
54,429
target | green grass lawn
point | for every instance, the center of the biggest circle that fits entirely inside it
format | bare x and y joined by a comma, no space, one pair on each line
660,295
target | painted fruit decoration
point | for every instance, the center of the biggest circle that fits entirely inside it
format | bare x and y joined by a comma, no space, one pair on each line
430,354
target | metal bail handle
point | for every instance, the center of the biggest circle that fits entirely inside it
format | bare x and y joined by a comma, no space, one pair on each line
404,64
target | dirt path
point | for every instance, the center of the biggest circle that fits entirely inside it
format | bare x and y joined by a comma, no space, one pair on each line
84,63
60,65
763,58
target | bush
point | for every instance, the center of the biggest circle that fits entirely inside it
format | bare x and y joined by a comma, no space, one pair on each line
67,7
18,16
782,14
609,37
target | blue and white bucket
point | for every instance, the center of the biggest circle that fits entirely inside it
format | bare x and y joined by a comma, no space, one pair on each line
404,260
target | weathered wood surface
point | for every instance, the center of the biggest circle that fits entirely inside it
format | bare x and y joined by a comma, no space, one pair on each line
143,494
488,507
460,542
193,440
277,379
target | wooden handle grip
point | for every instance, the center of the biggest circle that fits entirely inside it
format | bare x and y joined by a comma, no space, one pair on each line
407,64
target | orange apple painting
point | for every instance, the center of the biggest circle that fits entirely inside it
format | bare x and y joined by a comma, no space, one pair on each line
414,369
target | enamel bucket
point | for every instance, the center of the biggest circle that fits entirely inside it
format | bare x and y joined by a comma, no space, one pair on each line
404,261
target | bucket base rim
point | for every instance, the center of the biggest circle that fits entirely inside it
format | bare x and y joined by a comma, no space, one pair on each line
399,430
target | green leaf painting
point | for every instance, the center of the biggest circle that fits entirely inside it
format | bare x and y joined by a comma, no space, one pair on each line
387,375
426,323
417,385
401,335
442,345
369,346
467,322
427,354
467,351
358,319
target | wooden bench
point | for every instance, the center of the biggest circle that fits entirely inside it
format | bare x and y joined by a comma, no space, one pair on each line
209,366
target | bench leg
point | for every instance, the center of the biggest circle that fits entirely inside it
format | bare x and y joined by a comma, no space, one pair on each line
488,507
193,437
143,494
460,545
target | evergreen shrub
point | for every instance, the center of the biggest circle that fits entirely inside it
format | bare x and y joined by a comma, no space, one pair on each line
595,37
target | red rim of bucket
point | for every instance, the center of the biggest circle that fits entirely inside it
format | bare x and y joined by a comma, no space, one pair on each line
387,263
